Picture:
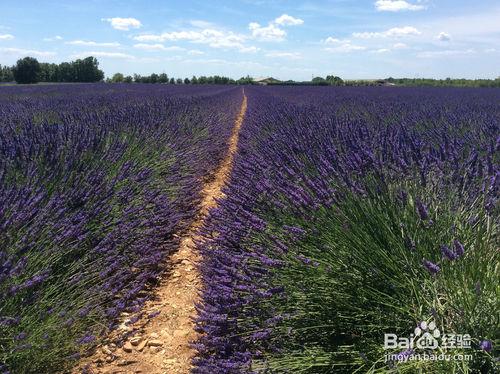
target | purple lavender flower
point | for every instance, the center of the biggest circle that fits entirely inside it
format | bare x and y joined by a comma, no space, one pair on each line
459,248
261,335
21,336
403,356
304,259
431,267
422,210
486,345
448,253
86,339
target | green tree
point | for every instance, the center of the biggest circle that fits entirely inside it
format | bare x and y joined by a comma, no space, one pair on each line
128,79
6,74
65,72
334,80
153,78
172,80
48,72
117,78
163,78
186,81
27,70
245,80
87,70
178,81
319,81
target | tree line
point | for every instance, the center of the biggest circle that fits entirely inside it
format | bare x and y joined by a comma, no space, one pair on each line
448,82
163,78
332,80
29,70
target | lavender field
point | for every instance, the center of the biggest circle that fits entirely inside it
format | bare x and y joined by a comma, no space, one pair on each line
94,183
350,213
354,212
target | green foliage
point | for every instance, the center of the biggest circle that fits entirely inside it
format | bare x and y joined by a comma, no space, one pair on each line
319,81
153,78
448,82
163,78
334,80
117,78
81,70
27,70
6,74
245,80
358,274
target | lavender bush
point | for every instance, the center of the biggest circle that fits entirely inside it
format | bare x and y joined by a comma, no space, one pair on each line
94,182
354,212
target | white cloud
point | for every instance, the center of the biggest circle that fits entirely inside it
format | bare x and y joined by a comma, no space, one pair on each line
446,53
395,32
332,40
53,39
286,20
444,37
269,33
169,36
288,55
207,33
396,5
399,46
123,24
345,47
6,37
26,52
273,32
92,44
490,50
251,49
117,55
341,45
157,47
212,37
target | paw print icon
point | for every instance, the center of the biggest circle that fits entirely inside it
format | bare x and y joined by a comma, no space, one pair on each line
427,335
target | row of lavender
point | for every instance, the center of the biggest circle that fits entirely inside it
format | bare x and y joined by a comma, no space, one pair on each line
94,182
354,212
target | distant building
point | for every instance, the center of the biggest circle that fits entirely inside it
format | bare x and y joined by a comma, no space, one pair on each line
266,80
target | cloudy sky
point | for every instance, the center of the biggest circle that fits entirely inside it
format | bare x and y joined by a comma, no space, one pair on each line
287,39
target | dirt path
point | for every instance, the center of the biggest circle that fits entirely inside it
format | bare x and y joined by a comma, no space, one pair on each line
162,344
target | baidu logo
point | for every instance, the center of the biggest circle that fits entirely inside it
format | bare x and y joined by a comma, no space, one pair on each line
427,336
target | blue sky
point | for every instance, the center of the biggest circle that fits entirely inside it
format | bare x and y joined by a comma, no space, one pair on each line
287,39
